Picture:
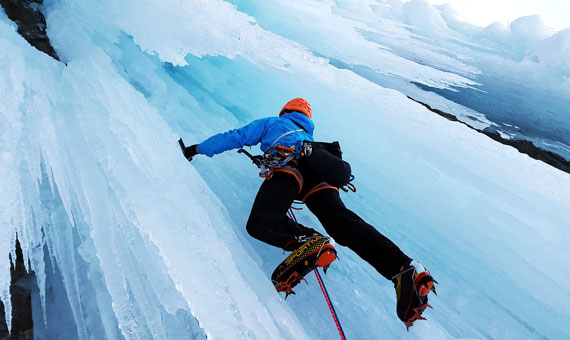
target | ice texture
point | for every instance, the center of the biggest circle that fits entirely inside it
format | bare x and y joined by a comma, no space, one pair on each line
130,241
425,17
501,80
528,31
553,53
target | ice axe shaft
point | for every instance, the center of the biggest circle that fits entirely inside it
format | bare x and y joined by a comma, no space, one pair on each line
244,152
257,160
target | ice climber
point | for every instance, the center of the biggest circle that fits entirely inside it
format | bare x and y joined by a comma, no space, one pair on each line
297,168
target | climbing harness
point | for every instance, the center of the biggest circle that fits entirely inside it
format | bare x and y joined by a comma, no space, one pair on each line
349,186
283,135
269,162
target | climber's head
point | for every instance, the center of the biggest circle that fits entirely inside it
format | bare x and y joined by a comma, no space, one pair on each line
297,105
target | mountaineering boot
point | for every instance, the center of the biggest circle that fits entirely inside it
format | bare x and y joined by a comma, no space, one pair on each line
413,285
315,251
299,241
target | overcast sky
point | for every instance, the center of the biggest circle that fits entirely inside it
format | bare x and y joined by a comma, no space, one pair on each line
556,13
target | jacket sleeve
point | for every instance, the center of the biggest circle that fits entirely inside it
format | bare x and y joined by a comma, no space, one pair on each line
248,135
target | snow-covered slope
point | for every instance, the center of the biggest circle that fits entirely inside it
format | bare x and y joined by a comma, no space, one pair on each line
129,241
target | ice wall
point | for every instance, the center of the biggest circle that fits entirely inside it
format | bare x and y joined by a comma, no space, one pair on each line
448,210
157,248
146,265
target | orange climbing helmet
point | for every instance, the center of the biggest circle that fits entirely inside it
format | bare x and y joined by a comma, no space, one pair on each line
299,105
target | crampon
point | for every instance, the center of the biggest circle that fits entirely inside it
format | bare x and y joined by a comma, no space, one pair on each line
316,252
413,284
417,315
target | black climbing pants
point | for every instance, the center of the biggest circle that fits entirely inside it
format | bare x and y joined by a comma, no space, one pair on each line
268,221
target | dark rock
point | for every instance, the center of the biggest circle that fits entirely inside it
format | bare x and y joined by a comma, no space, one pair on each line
527,147
523,146
22,323
3,325
21,298
31,23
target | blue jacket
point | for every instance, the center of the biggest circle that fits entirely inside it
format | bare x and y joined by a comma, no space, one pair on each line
265,131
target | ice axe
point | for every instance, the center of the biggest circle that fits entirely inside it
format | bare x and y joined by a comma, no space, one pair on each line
257,160
183,147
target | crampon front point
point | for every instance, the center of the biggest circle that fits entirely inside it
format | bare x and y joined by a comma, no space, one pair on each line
417,315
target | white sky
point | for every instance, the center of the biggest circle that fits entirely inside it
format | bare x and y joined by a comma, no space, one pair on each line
556,13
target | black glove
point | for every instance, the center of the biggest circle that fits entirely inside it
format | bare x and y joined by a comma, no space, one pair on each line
190,151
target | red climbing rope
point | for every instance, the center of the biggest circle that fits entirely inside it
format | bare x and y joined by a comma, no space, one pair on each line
333,312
